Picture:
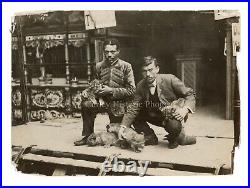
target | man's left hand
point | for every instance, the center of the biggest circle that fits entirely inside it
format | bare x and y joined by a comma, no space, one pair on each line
180,113
105,90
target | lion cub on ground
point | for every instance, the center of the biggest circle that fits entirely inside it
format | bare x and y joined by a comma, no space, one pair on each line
105,139
135,141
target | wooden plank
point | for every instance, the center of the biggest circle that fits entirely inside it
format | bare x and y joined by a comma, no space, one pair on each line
62,161
225,169
16,148
18,156
59,171
159,172
59,154
177,167
208,155
168,172
101,158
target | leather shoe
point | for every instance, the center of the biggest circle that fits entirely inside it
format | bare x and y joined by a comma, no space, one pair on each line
151,140
173,145
81,142
186,140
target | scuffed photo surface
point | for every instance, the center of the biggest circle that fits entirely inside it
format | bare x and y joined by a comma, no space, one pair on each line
56,72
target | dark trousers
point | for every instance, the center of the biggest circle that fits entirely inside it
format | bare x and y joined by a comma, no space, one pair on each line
89,112
155,117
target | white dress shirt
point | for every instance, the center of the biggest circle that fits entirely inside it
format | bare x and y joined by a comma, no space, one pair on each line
152,88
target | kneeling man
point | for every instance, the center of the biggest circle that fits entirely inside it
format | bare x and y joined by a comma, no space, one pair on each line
163,100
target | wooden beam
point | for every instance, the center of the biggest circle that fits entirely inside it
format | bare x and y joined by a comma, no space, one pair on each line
168,172
62,154
230,69
62,161
22,61
228,73
236,111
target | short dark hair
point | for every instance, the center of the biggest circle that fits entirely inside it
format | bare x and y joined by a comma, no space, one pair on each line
111,41
150,59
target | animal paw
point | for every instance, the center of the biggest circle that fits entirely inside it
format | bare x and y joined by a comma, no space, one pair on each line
107,146
124,145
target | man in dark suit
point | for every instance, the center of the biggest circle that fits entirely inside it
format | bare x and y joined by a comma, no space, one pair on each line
118,87
163,100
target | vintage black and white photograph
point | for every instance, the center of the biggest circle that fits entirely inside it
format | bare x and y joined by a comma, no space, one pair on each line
125,92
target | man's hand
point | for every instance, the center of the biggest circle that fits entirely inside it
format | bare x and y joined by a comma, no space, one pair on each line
105,90
180,113
121,134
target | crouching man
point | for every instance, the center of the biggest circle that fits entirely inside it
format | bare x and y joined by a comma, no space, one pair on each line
162,100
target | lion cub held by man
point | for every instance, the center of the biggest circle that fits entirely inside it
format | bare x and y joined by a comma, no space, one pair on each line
133,139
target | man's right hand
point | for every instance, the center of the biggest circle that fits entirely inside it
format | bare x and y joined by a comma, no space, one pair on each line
104,91
180,113
121,133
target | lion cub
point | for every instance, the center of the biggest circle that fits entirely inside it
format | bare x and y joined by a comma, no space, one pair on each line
134,140
105,139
